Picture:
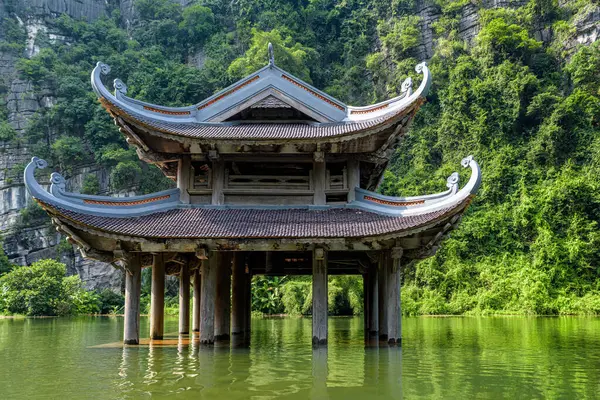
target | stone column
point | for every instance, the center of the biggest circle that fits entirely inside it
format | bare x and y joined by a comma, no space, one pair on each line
393,297
223,299
238,300
207,296
133,285
382,295
184,300
196,300
373,284
319,297
157,300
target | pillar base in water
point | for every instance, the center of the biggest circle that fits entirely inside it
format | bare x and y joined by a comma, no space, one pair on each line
221,338
131,341
383,338
157,338
318,342
393,341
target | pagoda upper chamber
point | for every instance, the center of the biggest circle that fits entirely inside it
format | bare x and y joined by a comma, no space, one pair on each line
273,177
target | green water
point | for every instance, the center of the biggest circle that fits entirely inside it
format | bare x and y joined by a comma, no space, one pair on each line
509,357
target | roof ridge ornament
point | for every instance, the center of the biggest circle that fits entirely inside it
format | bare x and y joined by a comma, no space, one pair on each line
120,86
104,68
452,182
271,55
59,183
407,86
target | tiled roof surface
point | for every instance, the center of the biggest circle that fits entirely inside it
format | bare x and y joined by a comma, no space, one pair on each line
264,131
256,223
270,102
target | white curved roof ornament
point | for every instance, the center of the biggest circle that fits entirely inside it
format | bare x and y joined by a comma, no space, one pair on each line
410,206
104,206
395,104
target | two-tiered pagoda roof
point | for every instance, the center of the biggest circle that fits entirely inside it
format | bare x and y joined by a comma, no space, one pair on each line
268,113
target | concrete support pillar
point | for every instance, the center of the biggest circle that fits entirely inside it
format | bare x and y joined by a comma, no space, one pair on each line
238,298
382,295
157,299
319,297
393,297
207,296
133,285
223,299
373,288
184,300
196,300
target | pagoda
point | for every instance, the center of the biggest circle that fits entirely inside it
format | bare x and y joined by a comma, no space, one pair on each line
273,177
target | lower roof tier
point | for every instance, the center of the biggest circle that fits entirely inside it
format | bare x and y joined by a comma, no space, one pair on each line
292,223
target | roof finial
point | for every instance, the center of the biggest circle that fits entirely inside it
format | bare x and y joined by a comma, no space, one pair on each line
271,55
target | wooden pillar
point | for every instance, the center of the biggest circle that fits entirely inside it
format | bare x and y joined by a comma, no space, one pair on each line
184,300
238,298
382,294
248,308
319,297
218,177
196,300
157,300
393,297
207,295
319,176
366,305
184,169
353,177
133,285
373,284
223,299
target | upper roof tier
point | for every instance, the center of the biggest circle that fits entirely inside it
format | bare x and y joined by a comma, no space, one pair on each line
268,105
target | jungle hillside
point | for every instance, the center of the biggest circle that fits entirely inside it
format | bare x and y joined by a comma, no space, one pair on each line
520,93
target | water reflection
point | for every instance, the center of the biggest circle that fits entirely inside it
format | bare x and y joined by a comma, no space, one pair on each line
440,357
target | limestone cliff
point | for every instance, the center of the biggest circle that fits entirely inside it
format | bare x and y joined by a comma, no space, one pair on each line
22,99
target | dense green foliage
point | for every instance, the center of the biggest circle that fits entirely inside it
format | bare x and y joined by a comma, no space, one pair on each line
43,289
528,111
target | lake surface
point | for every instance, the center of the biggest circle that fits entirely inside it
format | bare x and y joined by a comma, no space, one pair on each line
500,357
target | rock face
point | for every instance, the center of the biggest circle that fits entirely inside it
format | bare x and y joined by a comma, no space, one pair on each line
22,100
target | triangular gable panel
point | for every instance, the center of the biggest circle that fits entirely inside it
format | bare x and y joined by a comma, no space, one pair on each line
271,81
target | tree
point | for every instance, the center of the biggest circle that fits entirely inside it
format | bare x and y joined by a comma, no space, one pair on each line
289,55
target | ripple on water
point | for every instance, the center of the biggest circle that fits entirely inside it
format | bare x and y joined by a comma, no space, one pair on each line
440,358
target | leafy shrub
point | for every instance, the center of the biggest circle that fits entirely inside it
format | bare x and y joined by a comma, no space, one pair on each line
43,289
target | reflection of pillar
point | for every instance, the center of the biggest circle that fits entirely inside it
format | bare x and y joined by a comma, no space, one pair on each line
133,283
382,295
393,294
223,299
207,294
157,300
238,300
319,374
196,300
319,297
184,300
373,284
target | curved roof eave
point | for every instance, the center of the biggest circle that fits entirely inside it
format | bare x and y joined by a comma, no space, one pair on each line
306,95
136,206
